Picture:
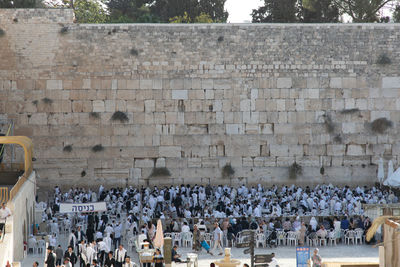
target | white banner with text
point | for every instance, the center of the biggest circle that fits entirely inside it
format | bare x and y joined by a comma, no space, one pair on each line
82,207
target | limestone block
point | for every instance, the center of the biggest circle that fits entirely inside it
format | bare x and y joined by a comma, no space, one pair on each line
295,150
234,129
312,83
209,163
179,94
245,105
149,105
281,104
170,151
355,150
349,82
209,94
391,82
176,84
38,119
219,116
283,128
252,129
144,163
247,162
54,84
284,83
194,163
258,162
284,161
312,93
207,84
145,84
265,128
132,84
98,106
109,105
335,150
160,162
279,150
335,82
254,93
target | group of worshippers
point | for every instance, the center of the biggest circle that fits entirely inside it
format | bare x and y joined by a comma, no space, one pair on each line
94,254
199,201
99,245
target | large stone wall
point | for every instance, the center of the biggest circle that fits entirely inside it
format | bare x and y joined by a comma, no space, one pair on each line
259,97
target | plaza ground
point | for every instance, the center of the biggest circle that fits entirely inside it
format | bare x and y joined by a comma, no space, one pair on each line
286,256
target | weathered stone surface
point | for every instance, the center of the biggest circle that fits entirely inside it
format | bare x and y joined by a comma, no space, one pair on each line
194,104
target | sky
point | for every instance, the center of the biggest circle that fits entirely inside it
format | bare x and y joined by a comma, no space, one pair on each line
239,10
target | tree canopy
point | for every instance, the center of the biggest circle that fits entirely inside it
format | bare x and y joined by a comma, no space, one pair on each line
320,11
17,3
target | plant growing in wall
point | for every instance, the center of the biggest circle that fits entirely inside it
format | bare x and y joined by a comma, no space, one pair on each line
67,148
349,111
160,172
221,39
227,171
329,125
97,148
383,59
35,102
134,52
64,30
294,170
2,32
380,125
94,115
47,101
120,116
83,173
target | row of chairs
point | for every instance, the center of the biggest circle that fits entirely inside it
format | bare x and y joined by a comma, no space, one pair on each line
39,247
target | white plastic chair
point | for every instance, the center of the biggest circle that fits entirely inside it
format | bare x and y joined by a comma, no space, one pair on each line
292,237
281,238
176,238
350,235
41,246
260,239
332,237
187,239
208,238
358,235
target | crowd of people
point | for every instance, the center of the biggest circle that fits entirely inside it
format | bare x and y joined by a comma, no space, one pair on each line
223,211
224,201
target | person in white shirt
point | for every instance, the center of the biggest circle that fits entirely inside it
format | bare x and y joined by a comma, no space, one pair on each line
90,253
72,239
102,246
108,242
128,262
217,238
4,214
274,262
120,255
117,232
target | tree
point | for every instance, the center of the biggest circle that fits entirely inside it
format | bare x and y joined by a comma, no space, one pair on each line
396,14
280,11
87,11
171,9
320,11
362,10
18,3
202,18
129,11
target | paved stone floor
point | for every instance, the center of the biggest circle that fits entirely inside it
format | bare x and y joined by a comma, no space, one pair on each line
286,256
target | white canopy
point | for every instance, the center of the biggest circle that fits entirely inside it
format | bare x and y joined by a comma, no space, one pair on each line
394,179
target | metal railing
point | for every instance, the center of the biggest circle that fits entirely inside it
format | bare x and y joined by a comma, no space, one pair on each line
4,196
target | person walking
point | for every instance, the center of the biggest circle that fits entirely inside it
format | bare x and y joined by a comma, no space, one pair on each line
218,238
51,258
316,259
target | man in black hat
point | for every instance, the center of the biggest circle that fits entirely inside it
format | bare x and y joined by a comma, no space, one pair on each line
51,258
